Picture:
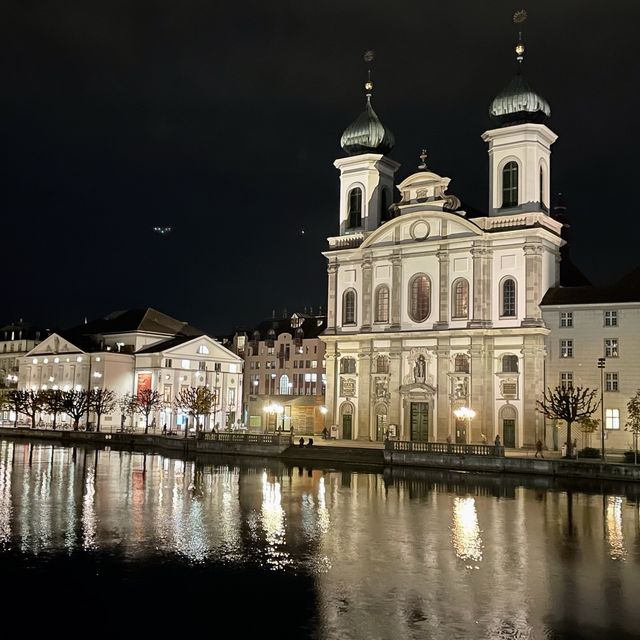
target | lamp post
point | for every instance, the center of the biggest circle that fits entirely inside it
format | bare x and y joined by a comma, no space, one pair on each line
465,413
601,366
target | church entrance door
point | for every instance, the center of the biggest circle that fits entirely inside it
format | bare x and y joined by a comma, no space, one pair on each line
381,426
461,431
509,433
347,426
419,421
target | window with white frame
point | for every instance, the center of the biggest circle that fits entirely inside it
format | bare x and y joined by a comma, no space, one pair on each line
382,304
610,318
508,306
203,350
566,379
347,365
566,319
349,307
610,381
566,348
612,418
611,347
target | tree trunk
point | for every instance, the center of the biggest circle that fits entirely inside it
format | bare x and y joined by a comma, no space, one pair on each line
569,441
15,421
146,424
55,416
98,415
33,421
76,424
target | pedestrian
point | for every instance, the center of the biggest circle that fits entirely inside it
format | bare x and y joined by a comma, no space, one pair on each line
301,442
574,447
497,441
539,449
310,443
325,433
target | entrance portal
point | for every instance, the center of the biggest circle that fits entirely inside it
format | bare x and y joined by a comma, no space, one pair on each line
419,421
347,426
461,431
509,432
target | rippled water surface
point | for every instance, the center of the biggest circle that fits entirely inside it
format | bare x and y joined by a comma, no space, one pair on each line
131,543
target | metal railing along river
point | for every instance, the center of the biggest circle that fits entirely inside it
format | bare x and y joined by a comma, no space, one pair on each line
445,447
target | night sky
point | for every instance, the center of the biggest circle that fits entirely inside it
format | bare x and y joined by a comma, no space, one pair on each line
223,119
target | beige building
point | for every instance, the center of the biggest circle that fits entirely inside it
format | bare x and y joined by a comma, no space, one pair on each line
285,375
16,340
587,324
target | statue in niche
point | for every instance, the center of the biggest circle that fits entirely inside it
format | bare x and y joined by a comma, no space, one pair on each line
419,369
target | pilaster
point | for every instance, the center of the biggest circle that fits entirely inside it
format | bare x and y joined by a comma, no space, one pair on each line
395,380
443,268
367,303
478,384
330,393
442,426
332,270
364,394
533,284
481,256
532,389
396,291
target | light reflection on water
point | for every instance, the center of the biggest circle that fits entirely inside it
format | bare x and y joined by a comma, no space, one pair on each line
395,555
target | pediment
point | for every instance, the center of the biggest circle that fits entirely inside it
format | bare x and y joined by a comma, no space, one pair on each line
54,344
203,347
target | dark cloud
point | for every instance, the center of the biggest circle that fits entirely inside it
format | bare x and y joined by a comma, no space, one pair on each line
222,120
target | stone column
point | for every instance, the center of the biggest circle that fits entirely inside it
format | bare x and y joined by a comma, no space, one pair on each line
366,301
442,427
331,356
481,287
533,284
332,270
477,392
443,317
531,380
364,393
396,291
395,380
485,421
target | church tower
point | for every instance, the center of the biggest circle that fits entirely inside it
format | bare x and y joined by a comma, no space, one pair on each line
520,148
366,174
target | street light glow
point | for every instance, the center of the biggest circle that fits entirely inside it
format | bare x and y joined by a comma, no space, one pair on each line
465,413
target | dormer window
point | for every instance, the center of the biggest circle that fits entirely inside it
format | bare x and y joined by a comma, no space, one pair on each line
355,208
510,184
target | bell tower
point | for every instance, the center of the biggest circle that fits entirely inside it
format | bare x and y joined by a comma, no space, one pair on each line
520,147
366,174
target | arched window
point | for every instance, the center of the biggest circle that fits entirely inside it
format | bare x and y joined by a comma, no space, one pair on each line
461,364
419,298
284,385
382,304
355,208
385,203
349,307
460,302
508,298
510,364
510,184
347,365
382,364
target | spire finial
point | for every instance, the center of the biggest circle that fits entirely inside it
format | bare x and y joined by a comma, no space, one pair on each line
423,157
518,18
369,57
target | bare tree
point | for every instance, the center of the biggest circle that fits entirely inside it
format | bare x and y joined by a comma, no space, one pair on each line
53,402
128,405
570,404
148,401
633,421
76,404
102,401
195,401
14,399
32,402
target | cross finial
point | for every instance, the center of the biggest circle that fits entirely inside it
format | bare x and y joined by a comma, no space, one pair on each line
423,157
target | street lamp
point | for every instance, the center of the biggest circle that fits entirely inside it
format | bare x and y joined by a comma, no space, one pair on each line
324,411
601,366
465,413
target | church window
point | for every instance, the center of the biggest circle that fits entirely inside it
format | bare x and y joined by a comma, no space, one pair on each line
508,298
382,304
347,365
419,298
461,364
510,184
382,364
284,385
349,307
355,208
510,364
460,298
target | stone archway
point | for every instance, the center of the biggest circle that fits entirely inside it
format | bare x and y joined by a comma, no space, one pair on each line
418,403
380,422
347,413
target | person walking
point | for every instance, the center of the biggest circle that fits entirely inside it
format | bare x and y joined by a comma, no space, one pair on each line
497,441
539,449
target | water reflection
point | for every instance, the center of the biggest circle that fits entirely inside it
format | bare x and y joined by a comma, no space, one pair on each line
389,554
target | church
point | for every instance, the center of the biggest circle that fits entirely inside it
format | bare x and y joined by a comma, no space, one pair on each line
434,326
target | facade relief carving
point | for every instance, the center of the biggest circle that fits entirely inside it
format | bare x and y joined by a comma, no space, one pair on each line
347,387
381,388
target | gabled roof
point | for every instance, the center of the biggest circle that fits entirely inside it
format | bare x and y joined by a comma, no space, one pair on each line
312,327
167,344
627,289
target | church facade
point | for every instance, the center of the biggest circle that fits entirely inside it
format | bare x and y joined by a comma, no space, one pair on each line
432,310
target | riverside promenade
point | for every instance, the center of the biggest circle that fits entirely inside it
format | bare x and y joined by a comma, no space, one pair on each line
474,458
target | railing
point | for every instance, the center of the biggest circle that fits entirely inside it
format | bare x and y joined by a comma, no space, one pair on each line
253,438
444,447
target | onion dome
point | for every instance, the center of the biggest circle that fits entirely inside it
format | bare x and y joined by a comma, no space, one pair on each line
366,134
518,102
